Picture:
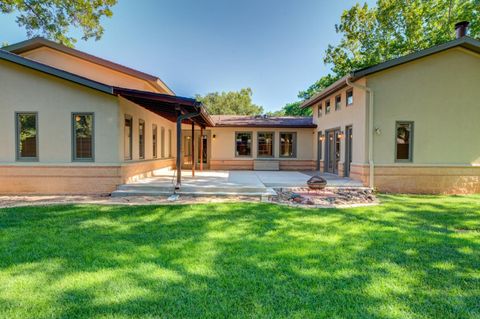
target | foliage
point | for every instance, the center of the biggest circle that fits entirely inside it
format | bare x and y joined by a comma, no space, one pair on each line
53,18
411,257
230,103
293,109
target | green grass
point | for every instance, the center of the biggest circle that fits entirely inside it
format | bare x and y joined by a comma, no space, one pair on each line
411,257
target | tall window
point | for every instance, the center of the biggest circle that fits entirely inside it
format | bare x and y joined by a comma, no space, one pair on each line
338,102
27,136
162,141
349,97
243,144
320,109
327,106
265,144
169,143
141,139
127,138
82,136
288,144
154,140
404,139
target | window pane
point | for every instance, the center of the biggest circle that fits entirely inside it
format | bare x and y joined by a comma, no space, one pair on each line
349,97
169,143
162,141
338,102
265,144
27,135
154,140
141,139
127,148
243,144
83,136
320,110
404,139
327,106
287,144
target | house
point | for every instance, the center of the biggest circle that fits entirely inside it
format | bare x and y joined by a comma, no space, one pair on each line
406,125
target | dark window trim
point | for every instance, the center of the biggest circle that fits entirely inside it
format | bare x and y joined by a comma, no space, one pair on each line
19,158
273,144
154,140
141,147
294,144
410,146
251,144
346,97
338,104
128,158
74,142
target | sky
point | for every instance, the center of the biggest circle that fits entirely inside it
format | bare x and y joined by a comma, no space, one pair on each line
275,47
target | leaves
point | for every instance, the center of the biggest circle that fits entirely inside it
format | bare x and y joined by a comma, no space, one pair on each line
230,103
54,18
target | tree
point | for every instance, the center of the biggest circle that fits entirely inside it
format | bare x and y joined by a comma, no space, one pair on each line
230,103
53,18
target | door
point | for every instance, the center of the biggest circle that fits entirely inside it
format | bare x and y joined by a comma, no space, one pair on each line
187,149
332,151
319,149
348,149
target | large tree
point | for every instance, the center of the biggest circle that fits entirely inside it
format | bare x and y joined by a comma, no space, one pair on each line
231,103
54,18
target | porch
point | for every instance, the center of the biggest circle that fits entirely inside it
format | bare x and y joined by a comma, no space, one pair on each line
248,183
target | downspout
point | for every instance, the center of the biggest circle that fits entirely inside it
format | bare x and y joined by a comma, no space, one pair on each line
370,127
180,119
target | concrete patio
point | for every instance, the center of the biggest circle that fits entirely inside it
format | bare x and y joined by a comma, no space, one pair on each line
248,183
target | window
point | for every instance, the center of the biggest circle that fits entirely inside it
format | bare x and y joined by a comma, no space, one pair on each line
141,139
127,138
403,141
349,97
169,143
265,144
327,106
154,140
288,144
82,136
162,141
243,144
338,102
320,110
27,136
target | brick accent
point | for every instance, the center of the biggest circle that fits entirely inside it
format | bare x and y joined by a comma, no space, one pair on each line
231,164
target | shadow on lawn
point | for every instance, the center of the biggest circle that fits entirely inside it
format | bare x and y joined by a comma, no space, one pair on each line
245,260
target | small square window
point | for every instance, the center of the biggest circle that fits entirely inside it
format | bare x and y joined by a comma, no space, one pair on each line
338,102
327,106
349,97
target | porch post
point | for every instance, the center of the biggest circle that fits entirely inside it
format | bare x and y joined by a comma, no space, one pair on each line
193,149
200,148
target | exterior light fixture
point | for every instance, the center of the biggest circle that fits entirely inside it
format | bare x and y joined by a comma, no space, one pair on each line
214,136
322,137
340,135
378,131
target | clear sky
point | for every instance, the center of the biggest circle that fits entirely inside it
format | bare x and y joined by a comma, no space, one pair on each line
200,46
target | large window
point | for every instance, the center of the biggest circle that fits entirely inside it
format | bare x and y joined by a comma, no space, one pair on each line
127,137
349,97
265,144
141,139
162,141
170,143
288,144
82,136
327,106
155,140
243,144
27,136
338,102
404,141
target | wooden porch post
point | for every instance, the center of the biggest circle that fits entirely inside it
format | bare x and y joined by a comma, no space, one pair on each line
200,148
193,149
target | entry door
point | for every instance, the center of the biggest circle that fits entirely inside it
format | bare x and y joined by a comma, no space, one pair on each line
319,149
187,149
332,151
348,149
205,158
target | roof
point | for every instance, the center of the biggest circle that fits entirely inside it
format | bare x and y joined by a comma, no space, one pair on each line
263,121
38,42
464,42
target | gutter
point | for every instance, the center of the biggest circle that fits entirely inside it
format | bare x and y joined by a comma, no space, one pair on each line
370,126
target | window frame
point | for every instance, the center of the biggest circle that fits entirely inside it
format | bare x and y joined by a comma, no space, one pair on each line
327,107
338,102
162,142
294,135
141,146
320,110
170,143
74,140
273,144
251,144
410,145
346,97
19,158
154,141
129,158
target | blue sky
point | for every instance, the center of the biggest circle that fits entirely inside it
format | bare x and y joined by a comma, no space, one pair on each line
199,46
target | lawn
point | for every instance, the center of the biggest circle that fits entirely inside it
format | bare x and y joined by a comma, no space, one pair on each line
411,257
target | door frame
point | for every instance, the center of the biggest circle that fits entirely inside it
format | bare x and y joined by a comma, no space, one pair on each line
196,140
328,144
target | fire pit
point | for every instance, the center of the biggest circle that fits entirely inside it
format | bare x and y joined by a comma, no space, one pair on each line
317,182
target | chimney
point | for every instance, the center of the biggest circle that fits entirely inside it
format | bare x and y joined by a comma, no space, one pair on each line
461,28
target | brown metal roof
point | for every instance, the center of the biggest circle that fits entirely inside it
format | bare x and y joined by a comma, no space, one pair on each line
263,121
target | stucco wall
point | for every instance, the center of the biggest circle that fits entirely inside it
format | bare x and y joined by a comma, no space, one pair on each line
26,90
440,94
88,69
354,115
